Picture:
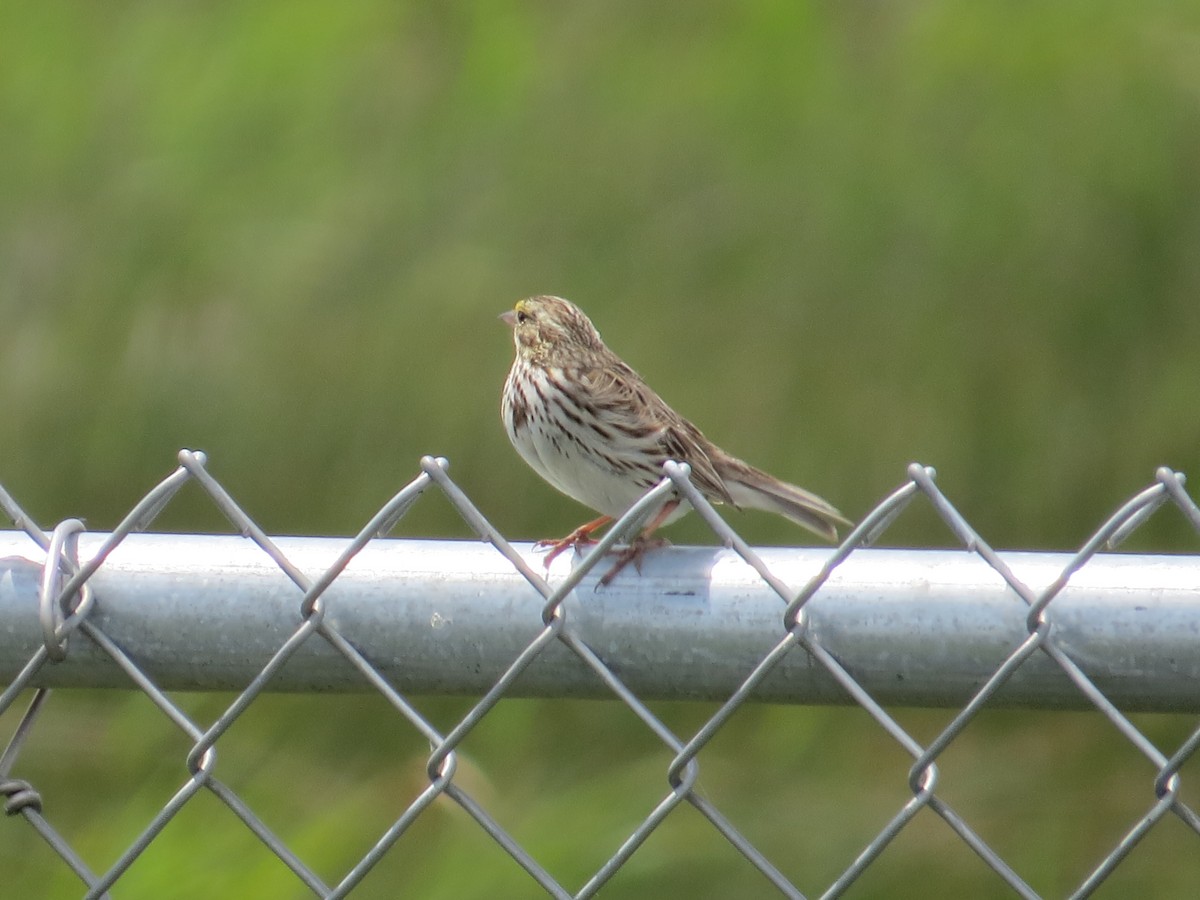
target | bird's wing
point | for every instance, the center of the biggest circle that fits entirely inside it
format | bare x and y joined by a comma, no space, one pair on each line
625,404
684,441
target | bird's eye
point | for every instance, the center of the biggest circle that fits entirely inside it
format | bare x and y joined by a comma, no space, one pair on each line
522,317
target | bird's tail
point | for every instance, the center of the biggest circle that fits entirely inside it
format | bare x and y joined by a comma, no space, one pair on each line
754,488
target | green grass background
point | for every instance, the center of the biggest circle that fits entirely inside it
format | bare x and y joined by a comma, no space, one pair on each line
840,236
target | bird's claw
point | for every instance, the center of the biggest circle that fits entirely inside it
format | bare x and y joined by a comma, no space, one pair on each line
580,537
572,541
631,554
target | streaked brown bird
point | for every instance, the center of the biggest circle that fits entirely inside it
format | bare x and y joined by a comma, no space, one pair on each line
589,425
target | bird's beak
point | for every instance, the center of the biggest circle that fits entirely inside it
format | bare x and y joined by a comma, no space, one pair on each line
509,318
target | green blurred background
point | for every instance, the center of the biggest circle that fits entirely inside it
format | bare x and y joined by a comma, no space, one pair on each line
841,237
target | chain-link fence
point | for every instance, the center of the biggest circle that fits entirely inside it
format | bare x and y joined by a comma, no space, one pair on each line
968,628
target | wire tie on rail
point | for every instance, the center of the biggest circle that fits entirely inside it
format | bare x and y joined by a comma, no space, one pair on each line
62,557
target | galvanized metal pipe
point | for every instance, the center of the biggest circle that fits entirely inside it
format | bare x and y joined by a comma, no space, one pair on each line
914,627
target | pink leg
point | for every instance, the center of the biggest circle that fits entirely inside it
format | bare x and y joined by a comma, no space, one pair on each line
580,537
638,546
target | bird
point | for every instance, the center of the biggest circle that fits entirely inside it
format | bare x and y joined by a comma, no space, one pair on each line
589,425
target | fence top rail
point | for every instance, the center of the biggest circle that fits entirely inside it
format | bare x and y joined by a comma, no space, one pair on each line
914,627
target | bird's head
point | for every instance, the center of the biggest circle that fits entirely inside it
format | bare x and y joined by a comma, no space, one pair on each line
551,331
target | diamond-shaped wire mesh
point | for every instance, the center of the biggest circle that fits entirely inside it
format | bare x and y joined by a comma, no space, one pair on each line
71,604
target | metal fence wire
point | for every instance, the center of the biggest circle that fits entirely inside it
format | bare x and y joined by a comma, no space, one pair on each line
1090,630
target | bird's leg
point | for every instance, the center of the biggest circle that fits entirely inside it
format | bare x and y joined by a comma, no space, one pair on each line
581,536
639,545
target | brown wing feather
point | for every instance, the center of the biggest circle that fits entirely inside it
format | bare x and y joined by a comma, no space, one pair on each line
624,402
684,441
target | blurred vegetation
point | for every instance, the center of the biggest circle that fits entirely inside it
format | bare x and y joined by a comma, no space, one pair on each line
841,237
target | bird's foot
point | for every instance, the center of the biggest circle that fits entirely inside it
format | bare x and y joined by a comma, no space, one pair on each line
580,537
632,554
